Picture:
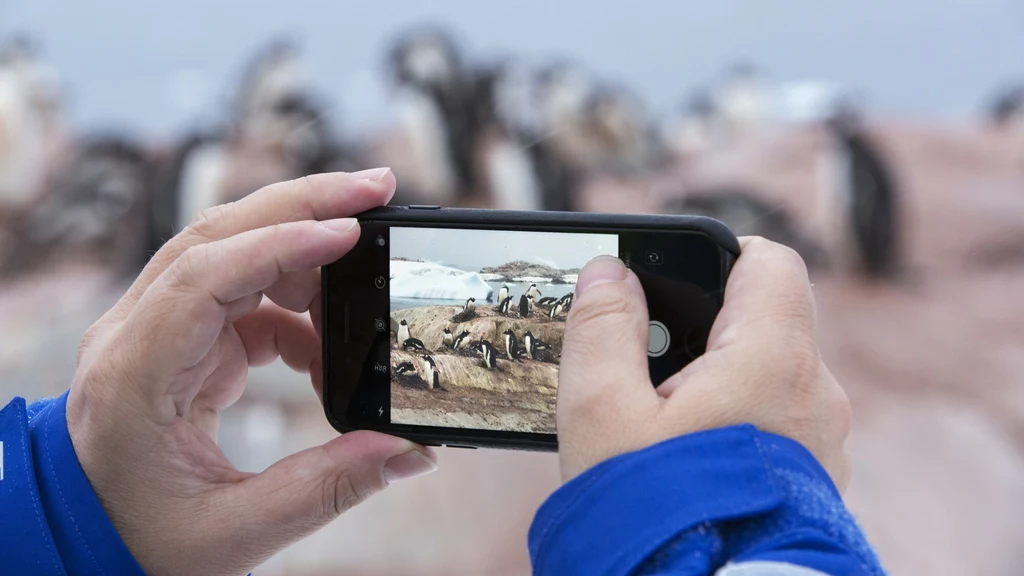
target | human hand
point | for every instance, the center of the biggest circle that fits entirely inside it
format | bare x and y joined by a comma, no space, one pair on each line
761,367
155,371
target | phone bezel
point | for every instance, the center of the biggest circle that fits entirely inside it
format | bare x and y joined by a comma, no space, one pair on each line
436,217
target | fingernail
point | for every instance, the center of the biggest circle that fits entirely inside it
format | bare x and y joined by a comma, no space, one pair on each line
600,270
373,174
412,463
340,224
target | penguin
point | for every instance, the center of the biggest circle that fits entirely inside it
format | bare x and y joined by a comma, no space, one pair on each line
404,367
470,305
513,349
430,373
502,294
533,345
566,302
448,338
460,340
547,301
1008,108
426,65
533,292
867,196
556,310
531,302
486,349
95,204
524,306
504,306
403,332
413,344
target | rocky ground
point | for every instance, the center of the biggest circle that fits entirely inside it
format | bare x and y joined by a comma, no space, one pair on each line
933,367
512,396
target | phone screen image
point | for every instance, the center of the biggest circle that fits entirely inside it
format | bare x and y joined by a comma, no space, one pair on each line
477,322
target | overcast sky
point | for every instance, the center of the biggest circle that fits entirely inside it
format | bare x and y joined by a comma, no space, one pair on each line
472,250
154,67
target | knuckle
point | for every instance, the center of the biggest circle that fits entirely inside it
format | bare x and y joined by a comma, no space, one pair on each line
341,493
205,224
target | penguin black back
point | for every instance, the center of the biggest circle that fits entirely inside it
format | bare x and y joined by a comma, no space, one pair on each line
524,306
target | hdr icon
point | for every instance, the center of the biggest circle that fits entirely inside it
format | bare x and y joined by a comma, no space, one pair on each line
382,368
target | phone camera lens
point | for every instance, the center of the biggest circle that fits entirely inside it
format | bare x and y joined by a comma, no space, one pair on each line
380,240
654,258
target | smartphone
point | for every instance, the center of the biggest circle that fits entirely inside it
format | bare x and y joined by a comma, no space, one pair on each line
444,326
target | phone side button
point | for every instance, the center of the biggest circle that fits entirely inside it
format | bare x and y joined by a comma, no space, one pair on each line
460,446
423,207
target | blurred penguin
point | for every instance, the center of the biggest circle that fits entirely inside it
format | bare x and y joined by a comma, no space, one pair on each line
742,100
506,171
695,131
279,132
95,209
1007,110
858,199
29,123
435,92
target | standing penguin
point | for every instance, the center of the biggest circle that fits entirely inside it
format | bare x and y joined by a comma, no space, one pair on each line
524,306
470,305
533,292
505,305
866,196
556,310
403,332
460,339
448,338
513,349
502,294
486,349
430,373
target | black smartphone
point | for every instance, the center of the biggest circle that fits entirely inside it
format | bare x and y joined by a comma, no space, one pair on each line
444,326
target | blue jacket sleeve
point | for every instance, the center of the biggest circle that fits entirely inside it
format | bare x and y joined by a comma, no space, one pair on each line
697,504
52,521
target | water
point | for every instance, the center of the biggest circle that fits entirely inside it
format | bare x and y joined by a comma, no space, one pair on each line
516,289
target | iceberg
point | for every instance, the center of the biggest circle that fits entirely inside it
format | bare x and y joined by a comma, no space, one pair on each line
429,280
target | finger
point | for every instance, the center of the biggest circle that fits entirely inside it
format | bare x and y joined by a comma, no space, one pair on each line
180,318
603,383
272,332
305,491
768,312
315,197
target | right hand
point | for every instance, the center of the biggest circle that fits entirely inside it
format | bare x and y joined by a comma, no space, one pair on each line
761,367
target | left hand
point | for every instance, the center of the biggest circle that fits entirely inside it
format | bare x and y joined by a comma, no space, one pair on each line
156,370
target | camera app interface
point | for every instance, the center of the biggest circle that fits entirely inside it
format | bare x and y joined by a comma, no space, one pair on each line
477,318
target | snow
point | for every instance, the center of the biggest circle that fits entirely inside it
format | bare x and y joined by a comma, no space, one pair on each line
428,280
570,278
490,277
532,279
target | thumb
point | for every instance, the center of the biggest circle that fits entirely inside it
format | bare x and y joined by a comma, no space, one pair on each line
305,491
604,384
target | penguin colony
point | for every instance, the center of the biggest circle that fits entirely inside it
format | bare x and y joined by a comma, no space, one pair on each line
514,347
504,134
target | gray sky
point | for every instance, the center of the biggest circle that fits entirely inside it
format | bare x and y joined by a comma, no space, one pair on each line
155,67
472,250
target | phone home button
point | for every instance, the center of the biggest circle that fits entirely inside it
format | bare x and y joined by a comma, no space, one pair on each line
659,339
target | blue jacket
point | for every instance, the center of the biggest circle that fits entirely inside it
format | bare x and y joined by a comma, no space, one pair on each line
728,501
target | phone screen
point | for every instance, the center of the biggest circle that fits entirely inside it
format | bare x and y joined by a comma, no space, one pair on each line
480,316
462,327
